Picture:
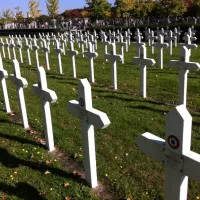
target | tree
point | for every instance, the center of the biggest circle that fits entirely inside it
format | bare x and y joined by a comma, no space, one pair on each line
172,8
33,9
123,7
7,15
52,7
98,8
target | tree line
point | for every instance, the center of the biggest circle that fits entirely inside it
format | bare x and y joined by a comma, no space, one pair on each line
102,9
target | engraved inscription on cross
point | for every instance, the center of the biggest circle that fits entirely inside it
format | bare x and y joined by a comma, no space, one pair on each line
183,65
47,96
180,162
89,118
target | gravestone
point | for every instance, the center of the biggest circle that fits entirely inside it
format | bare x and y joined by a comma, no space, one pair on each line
143,61
91,55
45,49
58,51
183,65
19,46
3,76
35,48
27,47
12,46
89,118
122,44
170,38
152,38
160,45
47,96
105,44
72,53
20,83
7,44
113,58
2,47
82,43
174,152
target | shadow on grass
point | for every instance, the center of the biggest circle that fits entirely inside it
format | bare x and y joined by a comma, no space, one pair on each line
21,140
11,161
21,190
149,108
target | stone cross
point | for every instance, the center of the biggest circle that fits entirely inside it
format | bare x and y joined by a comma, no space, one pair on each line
20,83
152,38
91,55
143,61
35,49
92,41
72,53
126,38
89,118
105,43
138,43
147,33
160,45
3,76
129,34
2,47
8,48
82,42
113,58
122,44
58,51
12,46
27,47
174,152
45,49
19,46
170,38
183,65
47,96
177,35
179,31
95,39
188,43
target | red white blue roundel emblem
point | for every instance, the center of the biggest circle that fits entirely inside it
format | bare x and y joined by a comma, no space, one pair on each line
173,142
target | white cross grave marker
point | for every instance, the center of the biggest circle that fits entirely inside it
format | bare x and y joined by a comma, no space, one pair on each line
47,96
8,47
174,152
19,46
45,49
138,43
20,83
177,35
12,45
82,42
183,65
2,47
105,43
170,38
89,118
91,55
143,61
160,45
58,51
35,49
113,58
3,75
27,47
152,38
72,54
122,44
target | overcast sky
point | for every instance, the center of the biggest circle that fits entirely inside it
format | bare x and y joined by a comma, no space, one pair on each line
23,4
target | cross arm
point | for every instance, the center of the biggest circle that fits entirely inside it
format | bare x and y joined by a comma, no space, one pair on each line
97,118
163,45
3,73
73,53
21,82
91,54
193,66
151,145
47,94
35,48
173,63
189,46
59,50
192,165
73,107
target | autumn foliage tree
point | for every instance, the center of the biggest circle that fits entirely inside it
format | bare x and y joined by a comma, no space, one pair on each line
52,7
98,8
33,5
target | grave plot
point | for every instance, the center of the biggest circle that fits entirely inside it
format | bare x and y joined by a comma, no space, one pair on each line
118,159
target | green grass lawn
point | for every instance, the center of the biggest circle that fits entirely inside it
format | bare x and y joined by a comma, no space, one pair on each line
120,164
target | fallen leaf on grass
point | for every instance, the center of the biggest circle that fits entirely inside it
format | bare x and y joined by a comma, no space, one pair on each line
3,196
47,172
43,193
67,198
32,156
48,162
11,114
75,155
66,184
